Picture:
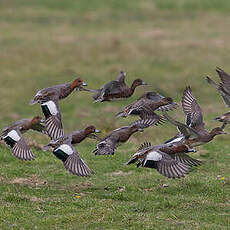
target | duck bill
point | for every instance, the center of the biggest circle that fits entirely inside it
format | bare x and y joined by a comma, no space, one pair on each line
144,83
46,148
120,114
84,84
32,102
131,161
97,131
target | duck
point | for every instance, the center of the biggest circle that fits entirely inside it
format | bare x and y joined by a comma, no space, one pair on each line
12,136
224,89
193,133
149,156
75,137
108,145
49,100
116,89
71,159
147,104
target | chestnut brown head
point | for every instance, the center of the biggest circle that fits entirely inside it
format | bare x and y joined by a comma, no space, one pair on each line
91,129
36,120
77,83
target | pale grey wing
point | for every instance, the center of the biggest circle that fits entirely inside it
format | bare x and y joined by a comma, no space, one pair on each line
19,147
225,79
53,122
183,129
171,168
192,110
186,159
76,165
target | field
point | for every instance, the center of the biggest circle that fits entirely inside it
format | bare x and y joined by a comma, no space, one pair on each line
169,44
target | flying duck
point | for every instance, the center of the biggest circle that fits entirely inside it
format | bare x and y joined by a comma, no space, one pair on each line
115,89
48,98
12,136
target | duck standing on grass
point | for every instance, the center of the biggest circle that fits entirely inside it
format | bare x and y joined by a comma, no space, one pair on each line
118,136
193,133
12,135
115,89
48,98
147,104
153,157
224,89
76,137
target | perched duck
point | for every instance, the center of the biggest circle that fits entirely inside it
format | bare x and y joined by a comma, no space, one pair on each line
75,137
12,135
115,89
71,159
193,132
152,157
224,89
48,98
108,144
147,104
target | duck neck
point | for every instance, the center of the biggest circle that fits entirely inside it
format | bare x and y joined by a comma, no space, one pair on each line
132,88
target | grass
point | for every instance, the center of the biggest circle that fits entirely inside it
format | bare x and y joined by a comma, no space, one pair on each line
170,44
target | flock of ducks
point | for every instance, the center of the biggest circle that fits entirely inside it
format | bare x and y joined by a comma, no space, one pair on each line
169,159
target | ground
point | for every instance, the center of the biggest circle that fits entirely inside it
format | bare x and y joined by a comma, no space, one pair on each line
169,44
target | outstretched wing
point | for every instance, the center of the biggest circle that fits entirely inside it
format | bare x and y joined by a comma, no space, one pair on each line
225,79
71,160
171,168
185,130
186,159
18,145
53,123
121,77
193,112
221,89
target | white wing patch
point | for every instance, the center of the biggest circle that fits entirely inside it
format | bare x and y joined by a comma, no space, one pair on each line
176,140
14,135
153,156
66,149
52,107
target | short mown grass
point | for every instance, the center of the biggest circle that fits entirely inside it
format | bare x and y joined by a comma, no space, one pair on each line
170,44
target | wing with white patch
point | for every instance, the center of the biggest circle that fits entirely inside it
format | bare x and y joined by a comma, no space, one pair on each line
72,161
18,145
53,123
171,168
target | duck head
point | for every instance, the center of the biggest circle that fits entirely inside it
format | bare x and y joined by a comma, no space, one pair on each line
37,120
78,83
217,131
138,82
91,129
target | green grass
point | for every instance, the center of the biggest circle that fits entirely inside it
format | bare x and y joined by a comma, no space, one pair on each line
170,44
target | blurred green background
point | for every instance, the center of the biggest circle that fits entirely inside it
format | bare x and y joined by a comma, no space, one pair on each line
169,44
